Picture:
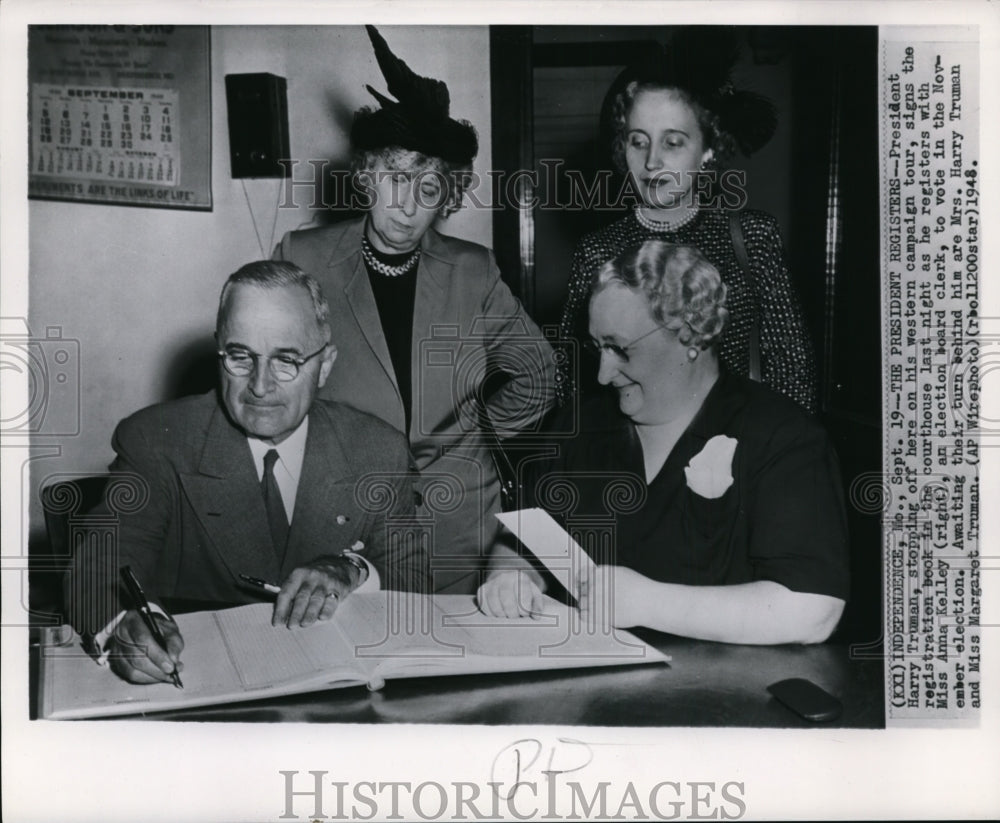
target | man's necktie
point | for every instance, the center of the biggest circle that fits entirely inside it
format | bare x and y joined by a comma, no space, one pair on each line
277,520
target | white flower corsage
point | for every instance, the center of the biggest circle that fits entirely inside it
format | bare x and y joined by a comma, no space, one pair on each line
710,472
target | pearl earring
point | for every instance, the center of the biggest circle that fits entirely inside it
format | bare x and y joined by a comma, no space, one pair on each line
692,354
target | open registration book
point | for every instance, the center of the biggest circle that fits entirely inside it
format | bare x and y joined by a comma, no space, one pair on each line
235,654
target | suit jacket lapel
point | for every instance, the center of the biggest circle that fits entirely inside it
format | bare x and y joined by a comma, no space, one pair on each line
433,274
226,496
326,489
350,270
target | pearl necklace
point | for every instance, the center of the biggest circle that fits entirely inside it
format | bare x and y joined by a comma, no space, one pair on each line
368,253
660,226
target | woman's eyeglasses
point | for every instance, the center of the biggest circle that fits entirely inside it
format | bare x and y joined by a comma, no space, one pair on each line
621,353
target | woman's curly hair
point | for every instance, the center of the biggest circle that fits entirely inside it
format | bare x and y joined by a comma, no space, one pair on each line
684,290
454,178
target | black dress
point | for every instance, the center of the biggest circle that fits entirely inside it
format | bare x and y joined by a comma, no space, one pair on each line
781,519
394,299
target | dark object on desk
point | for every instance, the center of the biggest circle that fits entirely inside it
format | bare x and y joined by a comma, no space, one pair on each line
806,699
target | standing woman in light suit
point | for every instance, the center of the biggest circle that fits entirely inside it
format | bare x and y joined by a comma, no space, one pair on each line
423,320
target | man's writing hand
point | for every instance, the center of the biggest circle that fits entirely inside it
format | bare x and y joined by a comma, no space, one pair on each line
136,657
312,592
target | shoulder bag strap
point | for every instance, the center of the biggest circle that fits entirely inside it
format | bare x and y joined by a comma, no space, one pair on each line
739,246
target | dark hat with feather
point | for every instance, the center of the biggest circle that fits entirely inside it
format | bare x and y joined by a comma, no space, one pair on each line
418,119
700,63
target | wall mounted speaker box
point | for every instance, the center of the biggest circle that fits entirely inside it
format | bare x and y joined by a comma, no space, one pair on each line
258,125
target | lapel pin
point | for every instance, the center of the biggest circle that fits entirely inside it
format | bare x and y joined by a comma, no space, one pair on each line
342,519
357,546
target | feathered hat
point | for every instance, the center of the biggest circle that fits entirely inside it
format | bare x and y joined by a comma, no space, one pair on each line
700,62
418,119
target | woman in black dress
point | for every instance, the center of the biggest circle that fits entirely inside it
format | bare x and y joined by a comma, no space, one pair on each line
675,122
725,497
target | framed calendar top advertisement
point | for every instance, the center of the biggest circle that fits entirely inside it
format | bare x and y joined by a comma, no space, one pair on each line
121,115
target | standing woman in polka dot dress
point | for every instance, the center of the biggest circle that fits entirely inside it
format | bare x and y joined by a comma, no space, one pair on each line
675,121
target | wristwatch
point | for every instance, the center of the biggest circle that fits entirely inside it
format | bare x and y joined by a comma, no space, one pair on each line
356,561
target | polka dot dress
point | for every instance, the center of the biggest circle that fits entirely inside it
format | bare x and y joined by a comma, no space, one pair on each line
787,361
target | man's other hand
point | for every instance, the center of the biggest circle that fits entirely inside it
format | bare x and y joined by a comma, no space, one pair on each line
313,591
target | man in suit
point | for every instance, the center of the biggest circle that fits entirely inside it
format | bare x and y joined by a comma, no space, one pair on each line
271,483
426,326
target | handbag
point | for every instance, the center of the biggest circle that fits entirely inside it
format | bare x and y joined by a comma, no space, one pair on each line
739,246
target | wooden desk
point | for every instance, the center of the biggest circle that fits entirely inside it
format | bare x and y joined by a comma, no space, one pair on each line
707,684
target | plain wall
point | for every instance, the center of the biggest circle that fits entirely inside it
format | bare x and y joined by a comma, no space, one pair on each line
138,287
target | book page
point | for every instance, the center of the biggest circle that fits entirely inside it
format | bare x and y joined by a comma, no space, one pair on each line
265,655
463,640
227,655
75,686
560,632
395,625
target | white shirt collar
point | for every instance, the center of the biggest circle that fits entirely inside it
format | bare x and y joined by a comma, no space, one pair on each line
291,451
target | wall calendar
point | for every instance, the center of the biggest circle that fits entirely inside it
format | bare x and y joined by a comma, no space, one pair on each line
121,114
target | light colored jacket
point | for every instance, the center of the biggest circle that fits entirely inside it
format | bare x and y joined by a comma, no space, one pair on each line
466,326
